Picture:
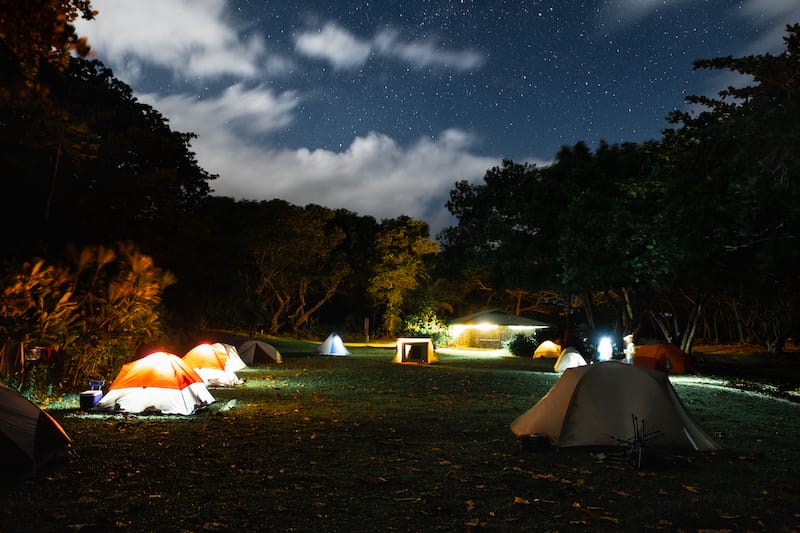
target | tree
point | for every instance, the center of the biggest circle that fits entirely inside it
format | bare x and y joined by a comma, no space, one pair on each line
295,264
121,172
402,246
740,150
42,35
94,313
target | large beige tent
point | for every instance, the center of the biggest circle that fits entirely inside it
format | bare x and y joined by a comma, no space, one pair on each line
600,405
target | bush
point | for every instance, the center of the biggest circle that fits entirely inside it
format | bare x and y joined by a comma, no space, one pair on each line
94,313
426,323
522,345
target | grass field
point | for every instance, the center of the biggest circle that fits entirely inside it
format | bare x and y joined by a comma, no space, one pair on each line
360,444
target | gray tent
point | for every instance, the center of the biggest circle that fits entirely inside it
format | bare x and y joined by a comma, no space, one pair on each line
254,351
598,405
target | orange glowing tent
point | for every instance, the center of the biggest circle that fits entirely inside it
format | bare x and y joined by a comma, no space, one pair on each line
158,383
29,437
547,349
665,357
216,363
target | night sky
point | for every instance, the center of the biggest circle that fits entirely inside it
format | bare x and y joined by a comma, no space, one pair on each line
380,107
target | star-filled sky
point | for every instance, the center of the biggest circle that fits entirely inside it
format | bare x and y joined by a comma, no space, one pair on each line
380,107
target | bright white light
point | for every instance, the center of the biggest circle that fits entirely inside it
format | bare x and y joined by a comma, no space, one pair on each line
604,349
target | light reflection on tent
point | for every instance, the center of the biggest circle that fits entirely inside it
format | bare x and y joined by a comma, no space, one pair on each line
160,383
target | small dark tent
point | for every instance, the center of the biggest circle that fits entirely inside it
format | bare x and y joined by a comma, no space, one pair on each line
29,437
255,351
333,345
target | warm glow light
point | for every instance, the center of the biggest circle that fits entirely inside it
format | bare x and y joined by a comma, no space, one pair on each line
461,328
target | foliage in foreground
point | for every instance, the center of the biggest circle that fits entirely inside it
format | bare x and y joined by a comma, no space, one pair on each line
93,313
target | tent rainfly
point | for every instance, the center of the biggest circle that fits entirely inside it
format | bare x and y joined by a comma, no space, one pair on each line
414,350
569,358
547,349
216,363
600,405
664,356
333,345
158,383
30,439
255,351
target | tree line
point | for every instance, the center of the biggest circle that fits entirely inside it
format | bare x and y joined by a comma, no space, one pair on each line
691,235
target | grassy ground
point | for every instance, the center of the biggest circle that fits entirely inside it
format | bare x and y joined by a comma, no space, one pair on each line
360,444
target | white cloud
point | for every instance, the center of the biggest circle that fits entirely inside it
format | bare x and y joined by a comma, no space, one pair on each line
343,50
373,176
189,37
426,53
335,45
771,17
626,12
248,111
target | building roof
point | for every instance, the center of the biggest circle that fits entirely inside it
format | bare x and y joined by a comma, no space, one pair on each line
498,317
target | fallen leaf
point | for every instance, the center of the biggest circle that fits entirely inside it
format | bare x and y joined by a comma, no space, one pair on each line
691,488
519,499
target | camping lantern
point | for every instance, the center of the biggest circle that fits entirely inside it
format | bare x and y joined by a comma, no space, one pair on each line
604,349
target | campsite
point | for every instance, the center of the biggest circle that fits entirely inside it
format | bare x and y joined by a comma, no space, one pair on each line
357,443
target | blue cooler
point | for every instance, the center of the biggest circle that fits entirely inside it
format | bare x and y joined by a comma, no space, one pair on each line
90,398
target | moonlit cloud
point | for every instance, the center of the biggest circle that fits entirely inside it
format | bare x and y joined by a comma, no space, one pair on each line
247,110
335,45
343,50
426,113
766,13
187,37
373,176
425,53
625,12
